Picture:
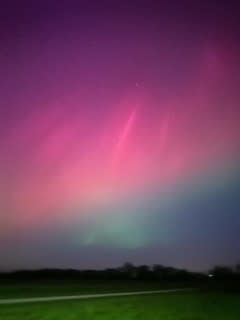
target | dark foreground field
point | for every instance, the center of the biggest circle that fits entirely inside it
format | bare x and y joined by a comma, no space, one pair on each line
28,289
194,305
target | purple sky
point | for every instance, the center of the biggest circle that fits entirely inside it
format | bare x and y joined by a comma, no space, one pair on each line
119,133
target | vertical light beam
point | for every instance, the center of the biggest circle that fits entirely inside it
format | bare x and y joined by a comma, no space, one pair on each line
121,142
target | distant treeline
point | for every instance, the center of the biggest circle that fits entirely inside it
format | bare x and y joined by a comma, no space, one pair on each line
126,272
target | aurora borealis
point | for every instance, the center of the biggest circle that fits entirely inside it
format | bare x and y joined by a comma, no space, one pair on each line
119,134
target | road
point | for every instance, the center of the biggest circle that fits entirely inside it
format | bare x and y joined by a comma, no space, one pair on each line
88,296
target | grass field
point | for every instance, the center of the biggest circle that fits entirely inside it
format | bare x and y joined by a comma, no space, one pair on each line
196,305
63,288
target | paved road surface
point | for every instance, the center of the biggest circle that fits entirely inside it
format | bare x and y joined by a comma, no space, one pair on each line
88,296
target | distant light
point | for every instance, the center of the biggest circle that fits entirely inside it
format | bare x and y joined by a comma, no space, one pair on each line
210,275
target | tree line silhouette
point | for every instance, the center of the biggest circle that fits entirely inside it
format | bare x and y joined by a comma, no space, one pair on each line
127,271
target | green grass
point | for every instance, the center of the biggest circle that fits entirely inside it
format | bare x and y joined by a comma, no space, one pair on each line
59,288
194,305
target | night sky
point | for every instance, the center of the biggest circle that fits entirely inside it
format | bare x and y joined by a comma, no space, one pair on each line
119,133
